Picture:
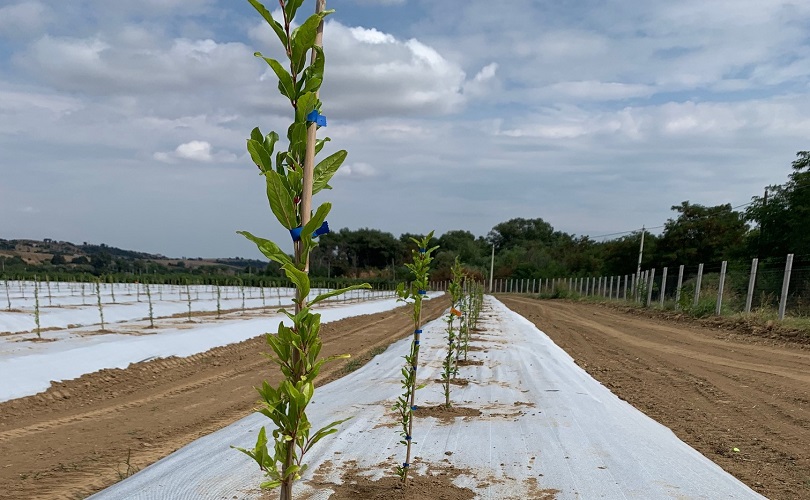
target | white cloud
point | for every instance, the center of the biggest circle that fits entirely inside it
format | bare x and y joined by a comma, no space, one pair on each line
594,91
371,73
200,151
357,170
22,19
136,61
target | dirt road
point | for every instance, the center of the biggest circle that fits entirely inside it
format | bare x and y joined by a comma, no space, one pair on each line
716,390
83,435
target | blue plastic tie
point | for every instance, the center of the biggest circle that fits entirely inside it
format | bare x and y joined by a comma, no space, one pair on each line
407,438
324,229
405,464
296,233
317,118
414,408
415,342
423,250
422,292
417,331
413,368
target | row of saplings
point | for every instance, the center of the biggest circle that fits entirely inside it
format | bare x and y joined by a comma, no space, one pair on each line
291,178
467,298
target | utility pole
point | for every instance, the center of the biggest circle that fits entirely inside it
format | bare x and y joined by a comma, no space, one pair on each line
640,255
762,222
491,267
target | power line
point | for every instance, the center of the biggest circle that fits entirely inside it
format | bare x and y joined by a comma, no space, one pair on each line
626,232
654,227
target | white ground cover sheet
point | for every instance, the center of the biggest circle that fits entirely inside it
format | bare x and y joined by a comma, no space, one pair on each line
546,423
27,368
70,304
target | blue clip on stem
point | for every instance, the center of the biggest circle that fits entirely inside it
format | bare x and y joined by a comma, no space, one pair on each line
296,231
315,117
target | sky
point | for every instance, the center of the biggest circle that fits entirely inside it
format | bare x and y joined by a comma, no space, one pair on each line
125,122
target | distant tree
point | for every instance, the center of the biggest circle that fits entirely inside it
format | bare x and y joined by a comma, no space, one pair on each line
782,219
620,256
80,260
515,232
58,259
702,235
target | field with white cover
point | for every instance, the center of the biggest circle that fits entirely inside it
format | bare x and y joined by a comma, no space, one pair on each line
546,429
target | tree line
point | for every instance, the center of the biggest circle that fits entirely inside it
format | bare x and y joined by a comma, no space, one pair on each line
769,227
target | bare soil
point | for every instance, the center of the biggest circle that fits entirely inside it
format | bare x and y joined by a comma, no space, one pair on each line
83,435
437,484
718,388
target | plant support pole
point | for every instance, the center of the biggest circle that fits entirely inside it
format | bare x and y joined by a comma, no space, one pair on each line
785,286
697,284
720,288
751,283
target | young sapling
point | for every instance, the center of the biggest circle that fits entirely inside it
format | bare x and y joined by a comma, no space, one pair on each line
98,300
188,297
219,302
36,306
290,184
449,364
414,292
48,284
151,311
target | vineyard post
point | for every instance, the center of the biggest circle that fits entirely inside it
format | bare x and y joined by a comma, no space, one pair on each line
785,286
751,283
663,286
697,284
720,287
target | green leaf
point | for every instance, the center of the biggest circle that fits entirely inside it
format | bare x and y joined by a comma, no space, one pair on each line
281,202
313,74
256,134
272,22
320,143
285,81
327,168
306,103
314,223
292,7
298,277
297,135
303,38
268,248
324,431
341,291
259,155
270,141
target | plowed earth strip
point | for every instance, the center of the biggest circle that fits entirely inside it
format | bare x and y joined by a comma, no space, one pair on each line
74,439
717,391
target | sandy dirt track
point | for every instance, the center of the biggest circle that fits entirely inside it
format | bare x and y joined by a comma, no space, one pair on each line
74,439
717,390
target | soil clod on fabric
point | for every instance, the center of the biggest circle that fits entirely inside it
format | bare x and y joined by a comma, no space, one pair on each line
437,484
470,362
454,381
445,414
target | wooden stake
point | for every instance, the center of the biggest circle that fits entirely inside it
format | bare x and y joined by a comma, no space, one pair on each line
312,129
